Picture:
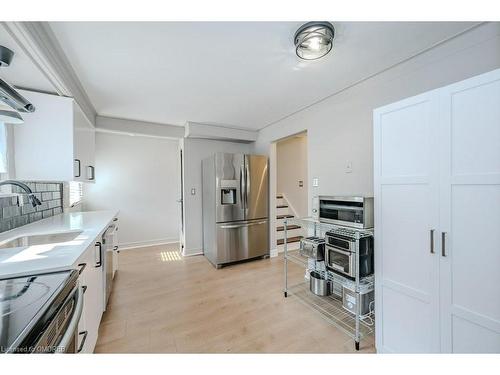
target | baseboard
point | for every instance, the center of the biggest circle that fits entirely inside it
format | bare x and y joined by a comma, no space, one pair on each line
192,253
135,245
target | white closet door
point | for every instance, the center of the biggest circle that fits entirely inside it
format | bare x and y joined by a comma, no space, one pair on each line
406,211
470,215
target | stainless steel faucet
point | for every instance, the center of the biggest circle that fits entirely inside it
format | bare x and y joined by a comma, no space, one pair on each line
34,200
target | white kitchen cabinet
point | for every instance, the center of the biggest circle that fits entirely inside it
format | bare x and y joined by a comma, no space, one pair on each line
91,278
56,142
437,215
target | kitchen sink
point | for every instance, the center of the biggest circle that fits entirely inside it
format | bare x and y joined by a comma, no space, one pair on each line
39,239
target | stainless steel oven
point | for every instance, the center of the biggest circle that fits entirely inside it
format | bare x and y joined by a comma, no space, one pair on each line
356,212
40,313
340,255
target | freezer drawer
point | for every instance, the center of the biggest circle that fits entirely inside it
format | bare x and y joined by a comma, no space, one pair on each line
242,240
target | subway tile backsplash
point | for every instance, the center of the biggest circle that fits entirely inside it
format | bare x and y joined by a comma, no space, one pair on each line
18,211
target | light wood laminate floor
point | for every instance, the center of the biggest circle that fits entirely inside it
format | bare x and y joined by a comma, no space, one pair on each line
164,303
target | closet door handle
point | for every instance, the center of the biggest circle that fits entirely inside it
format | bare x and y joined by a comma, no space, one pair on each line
79,168
443,244
432,240
90,173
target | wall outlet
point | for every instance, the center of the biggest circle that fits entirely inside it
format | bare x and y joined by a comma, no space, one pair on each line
193,191
315,182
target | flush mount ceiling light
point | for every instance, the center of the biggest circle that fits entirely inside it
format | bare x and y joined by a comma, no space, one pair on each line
314,40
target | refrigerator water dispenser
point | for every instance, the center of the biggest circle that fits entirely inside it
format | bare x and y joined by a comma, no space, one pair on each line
228,196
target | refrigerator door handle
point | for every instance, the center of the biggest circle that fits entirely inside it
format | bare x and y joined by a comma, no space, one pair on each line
242,199
242,225
247,183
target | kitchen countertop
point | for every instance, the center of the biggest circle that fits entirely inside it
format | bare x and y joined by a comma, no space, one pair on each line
57,256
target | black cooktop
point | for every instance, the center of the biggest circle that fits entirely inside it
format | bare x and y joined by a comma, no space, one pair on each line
22,301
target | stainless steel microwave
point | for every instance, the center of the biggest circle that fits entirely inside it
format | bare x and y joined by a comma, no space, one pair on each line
356,212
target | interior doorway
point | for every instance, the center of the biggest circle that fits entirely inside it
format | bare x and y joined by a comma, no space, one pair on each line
181,199
291,188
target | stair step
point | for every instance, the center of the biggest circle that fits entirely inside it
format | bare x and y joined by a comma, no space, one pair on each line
289,240
291,247
288,227
282,206
284,217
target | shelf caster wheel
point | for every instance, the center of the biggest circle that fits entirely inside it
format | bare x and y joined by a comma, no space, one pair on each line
286,294
356,344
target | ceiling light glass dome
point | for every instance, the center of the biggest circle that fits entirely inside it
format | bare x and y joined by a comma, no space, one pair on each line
314,40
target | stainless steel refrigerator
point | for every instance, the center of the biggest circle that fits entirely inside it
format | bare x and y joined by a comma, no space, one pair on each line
235,207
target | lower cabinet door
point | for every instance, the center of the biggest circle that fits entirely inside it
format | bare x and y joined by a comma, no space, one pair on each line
82,346
242,240
92,279
84,265
95,300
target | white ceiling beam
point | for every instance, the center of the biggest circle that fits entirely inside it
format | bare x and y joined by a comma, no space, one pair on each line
140,128
218,132
40,44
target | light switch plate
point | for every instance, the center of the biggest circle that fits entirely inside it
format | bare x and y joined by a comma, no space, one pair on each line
193,191
315,182
348,168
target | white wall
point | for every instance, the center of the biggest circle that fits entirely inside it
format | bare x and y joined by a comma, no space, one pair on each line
140,177
291,155
195,150
339,129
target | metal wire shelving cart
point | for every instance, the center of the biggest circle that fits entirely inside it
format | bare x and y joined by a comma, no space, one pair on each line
330,308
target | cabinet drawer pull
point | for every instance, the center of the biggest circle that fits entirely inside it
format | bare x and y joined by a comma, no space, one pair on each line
99,263
85,334
82,267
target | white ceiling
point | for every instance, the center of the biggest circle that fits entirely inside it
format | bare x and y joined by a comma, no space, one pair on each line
238,74
22,72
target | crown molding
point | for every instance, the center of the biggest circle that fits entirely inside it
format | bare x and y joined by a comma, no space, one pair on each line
40,44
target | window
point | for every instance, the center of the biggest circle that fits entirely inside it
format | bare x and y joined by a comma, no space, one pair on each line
75,193
5,154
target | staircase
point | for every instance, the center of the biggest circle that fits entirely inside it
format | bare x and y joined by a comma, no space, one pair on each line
294,232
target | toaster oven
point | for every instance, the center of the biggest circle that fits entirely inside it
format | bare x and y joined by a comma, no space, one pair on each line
340,255
312,247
